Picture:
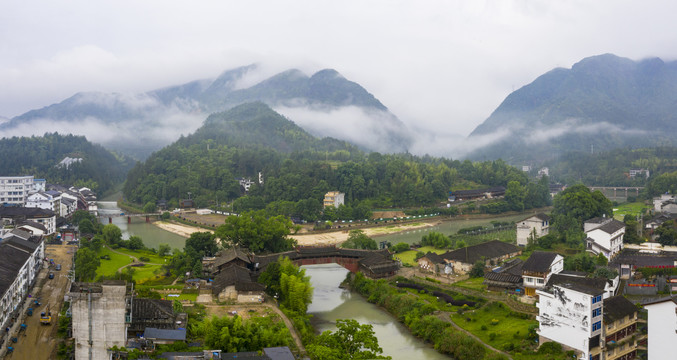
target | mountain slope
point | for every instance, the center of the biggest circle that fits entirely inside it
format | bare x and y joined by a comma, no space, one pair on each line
39,156
326,103
602,102
240,142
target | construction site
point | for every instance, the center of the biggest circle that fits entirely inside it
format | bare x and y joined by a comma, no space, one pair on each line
33,337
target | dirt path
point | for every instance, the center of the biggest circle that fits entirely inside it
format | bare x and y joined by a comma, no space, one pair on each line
39,341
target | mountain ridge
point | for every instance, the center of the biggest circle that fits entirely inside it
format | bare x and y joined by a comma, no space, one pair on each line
606,101
137,118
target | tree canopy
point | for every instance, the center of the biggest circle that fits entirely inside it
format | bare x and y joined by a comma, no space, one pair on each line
86,263
350,341
357,239
257,232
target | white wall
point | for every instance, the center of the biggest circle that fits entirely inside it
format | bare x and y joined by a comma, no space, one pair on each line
566,317
662,324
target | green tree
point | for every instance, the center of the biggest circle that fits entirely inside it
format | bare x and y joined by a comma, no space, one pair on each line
256,232
400,247
515,195
350,341
87,227
477,269
631,226
111,234
581,204
135,243
149,207
357,239
86,263
436,239
201,244
163,250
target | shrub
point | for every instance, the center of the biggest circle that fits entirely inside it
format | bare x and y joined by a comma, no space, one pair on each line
492,336
550,348
494,322
144,259
484,328
105,257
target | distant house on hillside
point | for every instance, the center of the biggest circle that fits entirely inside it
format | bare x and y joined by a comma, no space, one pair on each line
334,198
633,173
539,222
487,193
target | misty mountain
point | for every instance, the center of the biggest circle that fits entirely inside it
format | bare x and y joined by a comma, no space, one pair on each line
603,102
325,104
239,142
256,125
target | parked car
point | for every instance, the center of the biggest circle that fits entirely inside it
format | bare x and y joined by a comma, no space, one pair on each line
58,267
51,275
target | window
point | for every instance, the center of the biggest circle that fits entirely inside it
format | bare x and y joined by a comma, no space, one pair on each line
597,312
539,281
596,299
596,326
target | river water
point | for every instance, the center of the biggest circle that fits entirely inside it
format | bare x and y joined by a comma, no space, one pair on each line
331,303
151,235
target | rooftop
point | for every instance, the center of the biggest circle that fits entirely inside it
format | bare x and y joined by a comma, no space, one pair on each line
488,250
618,307
590,286
539,261
165,334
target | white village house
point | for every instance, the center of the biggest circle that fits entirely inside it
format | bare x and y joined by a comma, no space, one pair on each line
604,236
538,224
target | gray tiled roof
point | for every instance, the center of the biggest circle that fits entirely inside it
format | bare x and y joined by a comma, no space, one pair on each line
539,261
488,250
165,334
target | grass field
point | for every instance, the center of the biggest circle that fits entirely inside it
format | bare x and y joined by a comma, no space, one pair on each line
472,283
154,258
503,329
110,267
634,209
141,273
407,257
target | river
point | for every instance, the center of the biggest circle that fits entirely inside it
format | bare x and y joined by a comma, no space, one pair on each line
331,303
151,235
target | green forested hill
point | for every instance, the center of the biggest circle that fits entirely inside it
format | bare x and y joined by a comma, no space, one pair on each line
298,170
99,169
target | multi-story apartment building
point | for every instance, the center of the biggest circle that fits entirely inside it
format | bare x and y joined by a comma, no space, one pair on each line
570,313
21,257
334,198
14,189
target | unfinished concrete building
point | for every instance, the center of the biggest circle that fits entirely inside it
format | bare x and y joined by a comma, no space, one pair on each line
99,311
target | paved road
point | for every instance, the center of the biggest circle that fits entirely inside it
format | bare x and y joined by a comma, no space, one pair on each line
40,341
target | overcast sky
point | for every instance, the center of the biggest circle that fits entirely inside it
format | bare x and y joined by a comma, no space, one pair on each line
442,65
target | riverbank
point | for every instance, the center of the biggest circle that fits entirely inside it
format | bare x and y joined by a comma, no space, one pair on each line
179,229
326,238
